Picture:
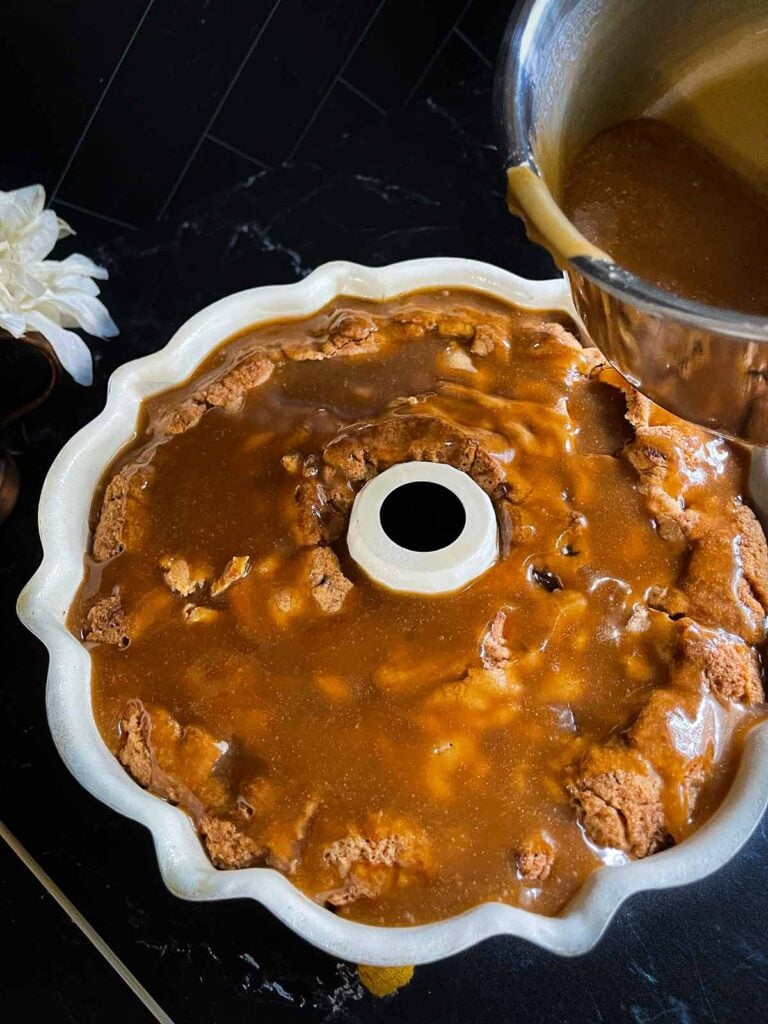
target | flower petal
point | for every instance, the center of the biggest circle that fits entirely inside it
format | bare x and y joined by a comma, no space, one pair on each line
79,264
36,239
88,312
21,282
56,283
65,229
15,324
58,277
20,207
73,353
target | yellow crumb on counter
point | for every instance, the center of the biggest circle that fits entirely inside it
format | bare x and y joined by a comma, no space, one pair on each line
383,981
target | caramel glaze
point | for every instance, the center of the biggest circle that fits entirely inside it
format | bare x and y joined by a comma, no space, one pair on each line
666,209
375,735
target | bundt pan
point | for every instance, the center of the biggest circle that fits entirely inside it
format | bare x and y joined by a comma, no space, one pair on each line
186,870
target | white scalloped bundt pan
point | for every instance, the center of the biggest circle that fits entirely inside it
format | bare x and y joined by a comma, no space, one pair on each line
42,607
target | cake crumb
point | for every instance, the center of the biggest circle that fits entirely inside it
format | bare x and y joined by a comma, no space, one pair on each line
384,981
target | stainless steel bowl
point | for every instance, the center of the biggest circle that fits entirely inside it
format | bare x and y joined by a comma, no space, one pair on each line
569,68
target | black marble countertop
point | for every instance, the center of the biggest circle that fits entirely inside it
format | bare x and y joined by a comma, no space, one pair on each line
423,183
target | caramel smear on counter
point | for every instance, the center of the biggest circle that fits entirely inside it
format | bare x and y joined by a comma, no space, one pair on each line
402,758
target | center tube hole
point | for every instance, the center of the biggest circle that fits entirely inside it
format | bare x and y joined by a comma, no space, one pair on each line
422,516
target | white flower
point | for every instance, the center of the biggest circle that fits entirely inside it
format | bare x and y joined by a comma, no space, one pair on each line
48,296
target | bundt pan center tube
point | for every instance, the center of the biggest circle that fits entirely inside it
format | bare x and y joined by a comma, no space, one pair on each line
433,544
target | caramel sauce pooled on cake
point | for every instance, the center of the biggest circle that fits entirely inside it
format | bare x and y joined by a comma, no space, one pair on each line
400,757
